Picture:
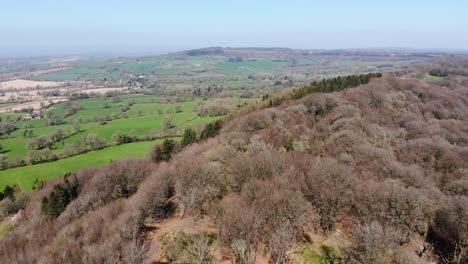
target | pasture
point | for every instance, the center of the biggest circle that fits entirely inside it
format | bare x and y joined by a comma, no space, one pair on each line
25,176
136,115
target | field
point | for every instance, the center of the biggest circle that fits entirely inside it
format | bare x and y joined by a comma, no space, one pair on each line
142,117
21,84
73,74
249,67
25,176
36,105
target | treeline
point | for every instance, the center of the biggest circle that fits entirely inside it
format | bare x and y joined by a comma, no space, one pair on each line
324,86
205,51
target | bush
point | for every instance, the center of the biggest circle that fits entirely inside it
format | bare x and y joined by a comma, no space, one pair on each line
40,142
12,206
43,155
120,137
167,123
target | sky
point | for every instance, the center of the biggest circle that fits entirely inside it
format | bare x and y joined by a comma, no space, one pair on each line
34,27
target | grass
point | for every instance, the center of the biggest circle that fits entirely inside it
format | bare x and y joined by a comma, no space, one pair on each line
15,147
40,131
152,109
304,61
25,176
79,73
88,113
10,116
433,78
145,116
249,67
34,123
139,124
310,256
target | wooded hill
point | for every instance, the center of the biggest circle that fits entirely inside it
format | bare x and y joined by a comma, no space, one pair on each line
372,174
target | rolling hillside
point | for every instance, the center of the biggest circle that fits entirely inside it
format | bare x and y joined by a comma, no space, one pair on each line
370,174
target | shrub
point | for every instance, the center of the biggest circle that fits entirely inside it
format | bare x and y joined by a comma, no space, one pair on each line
40,142
167,123
43,155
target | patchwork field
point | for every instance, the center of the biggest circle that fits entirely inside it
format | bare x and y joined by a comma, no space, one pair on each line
138,116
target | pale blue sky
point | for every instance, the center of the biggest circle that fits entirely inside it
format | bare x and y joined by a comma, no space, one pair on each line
86,26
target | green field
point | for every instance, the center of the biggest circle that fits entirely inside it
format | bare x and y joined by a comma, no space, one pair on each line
25,176
302,62
83,74
15,147
144,116
433,78
166,67
249,67
143,119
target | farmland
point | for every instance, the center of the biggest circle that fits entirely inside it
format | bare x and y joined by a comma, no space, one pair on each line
62,114
138,116
25,176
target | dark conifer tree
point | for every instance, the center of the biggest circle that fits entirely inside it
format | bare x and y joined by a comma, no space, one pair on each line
190,136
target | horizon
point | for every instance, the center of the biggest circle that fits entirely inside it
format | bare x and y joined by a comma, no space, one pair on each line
30,28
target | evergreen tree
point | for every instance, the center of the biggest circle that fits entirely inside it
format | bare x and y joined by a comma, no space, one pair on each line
9,192
60,196
211,129
190,136
164,151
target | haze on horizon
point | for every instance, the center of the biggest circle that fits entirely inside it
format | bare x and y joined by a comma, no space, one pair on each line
52,27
